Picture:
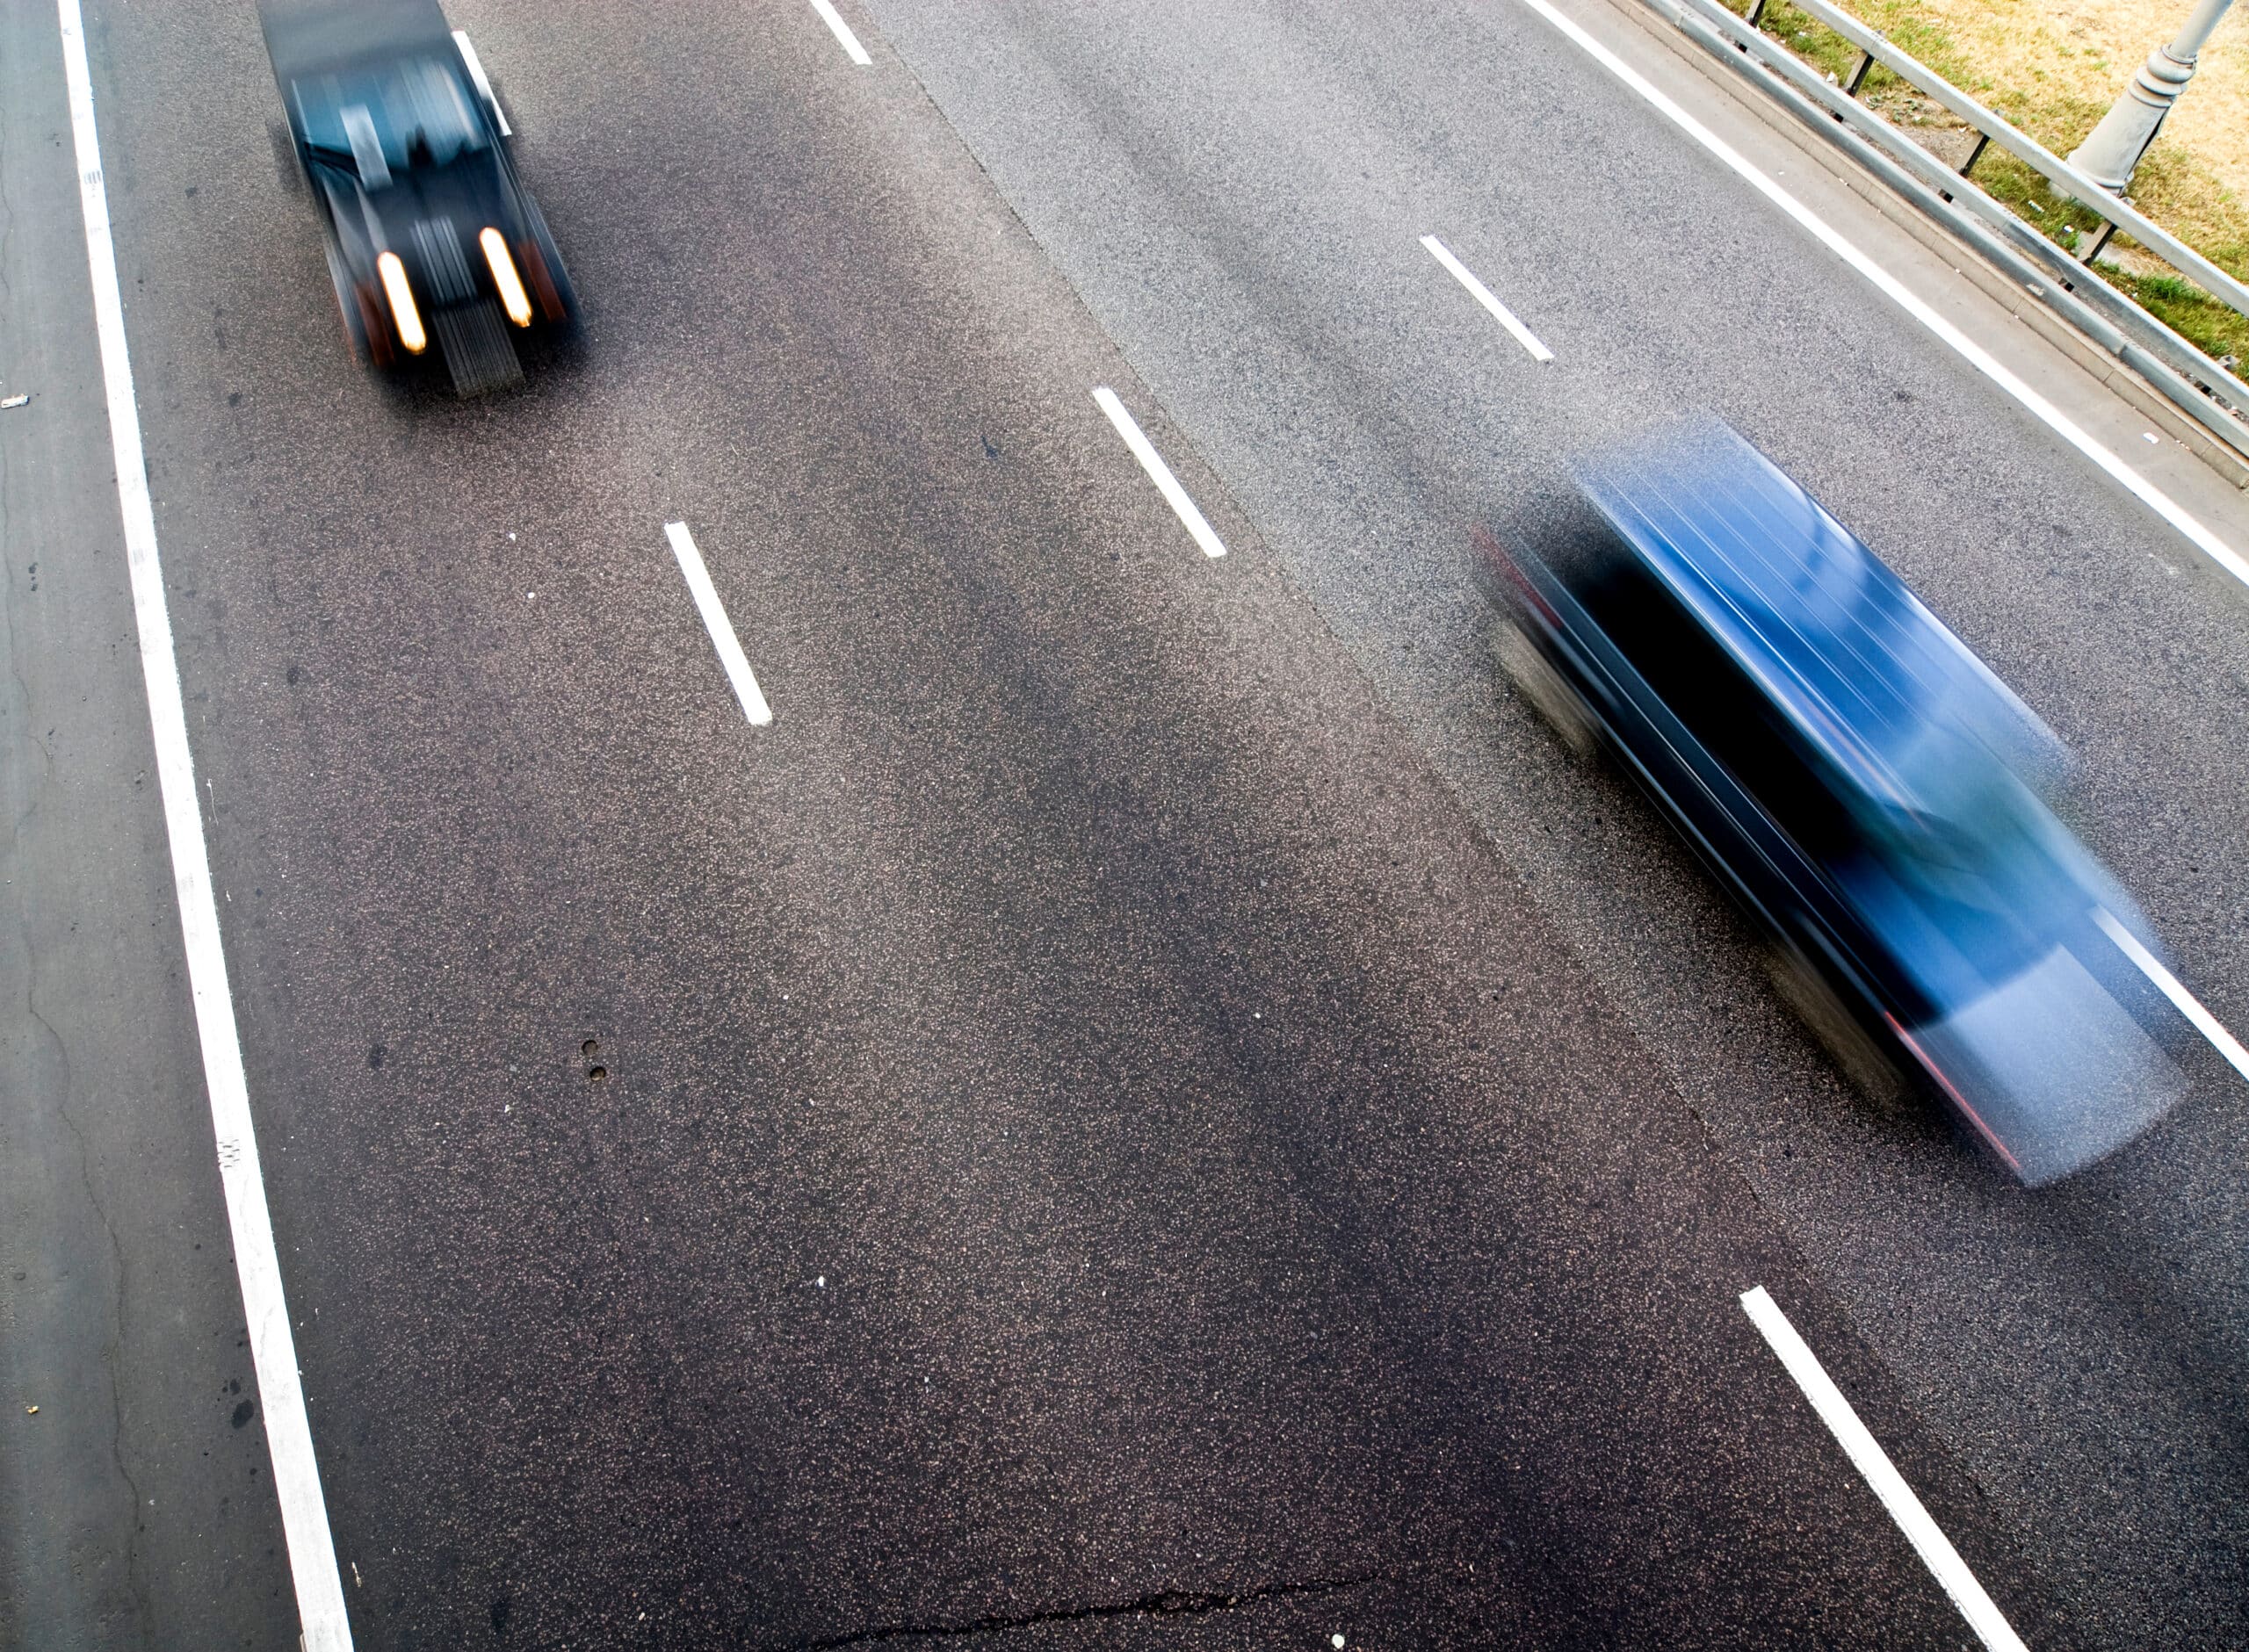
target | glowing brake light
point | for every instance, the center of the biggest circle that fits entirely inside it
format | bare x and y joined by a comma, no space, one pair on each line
402,304
512,297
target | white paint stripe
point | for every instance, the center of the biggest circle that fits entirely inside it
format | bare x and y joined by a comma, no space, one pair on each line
1158,472
1484,296
715,622
484,84
273,1353
843,31
2146,492
1869,1458
2171,988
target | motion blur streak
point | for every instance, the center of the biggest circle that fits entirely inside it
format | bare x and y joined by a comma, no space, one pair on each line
1871,792
1952,1093
2169,984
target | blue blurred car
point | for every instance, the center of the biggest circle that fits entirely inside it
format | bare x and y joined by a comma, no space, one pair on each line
1861,782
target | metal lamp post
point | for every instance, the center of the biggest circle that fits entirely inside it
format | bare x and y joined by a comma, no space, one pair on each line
2114,146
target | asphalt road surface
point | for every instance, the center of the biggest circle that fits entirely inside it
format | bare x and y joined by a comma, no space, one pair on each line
1152,1104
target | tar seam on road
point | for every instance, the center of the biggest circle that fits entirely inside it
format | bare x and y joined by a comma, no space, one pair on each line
1976,356
1171,1603
1867,1457
834,18
715,622
1483,295
273,1352
1158,472
2171,987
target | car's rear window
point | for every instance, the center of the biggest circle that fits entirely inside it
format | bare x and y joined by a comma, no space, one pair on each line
388,118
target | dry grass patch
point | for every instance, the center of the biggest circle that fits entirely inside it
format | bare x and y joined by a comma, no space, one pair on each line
2052,68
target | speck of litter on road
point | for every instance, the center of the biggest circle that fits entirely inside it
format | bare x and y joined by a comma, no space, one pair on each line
13,401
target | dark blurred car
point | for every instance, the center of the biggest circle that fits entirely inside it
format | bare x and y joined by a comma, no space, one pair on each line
433,241
1861,782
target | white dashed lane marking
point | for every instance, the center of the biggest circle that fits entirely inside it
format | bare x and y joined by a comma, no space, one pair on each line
1158,472
841,30
1867,1457
483,83
1484,296
721,629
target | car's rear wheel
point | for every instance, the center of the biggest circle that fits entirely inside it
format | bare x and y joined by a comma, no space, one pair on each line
365,326
549,276
347,309
1806,989
1550,693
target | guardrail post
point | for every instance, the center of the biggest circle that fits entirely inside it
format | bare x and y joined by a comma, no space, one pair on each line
2100,240
1851,86
1756,10
1975,154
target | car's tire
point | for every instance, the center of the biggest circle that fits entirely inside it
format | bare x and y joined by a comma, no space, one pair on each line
1806,990
366,326
1550,693
286,165
348,308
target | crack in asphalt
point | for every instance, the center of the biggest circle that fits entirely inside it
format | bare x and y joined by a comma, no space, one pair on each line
136,1580
1169,1603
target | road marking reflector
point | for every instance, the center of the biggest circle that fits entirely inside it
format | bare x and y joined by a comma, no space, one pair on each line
1158,472
1976,356
715,622
1484,296
324,1625
1867,1457
841,30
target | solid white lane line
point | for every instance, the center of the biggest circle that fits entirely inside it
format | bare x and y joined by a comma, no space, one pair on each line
484,84
1976,356
1867,1457
273,1351
1158,472
1484,296
715,622
842,31
2173,989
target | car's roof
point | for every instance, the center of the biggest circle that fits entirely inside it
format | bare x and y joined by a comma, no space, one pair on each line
321,35
1845,652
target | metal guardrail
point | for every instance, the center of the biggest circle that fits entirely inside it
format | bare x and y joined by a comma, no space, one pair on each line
1992,128
2109,319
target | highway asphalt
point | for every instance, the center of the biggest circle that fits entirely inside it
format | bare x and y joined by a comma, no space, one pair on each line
1152,1102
